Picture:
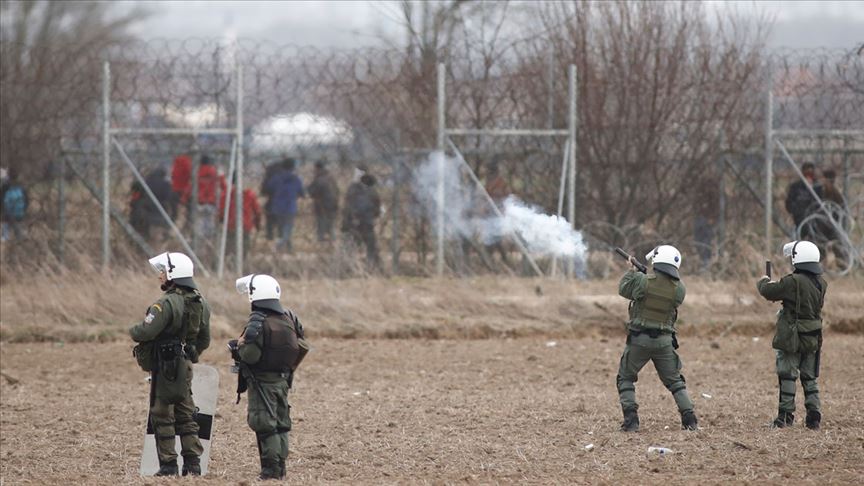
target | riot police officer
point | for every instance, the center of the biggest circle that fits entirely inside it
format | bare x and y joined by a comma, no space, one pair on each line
267,354
797,341
654,301
174,333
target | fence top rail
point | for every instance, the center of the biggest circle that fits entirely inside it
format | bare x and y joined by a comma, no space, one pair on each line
173,131
508,132
804,132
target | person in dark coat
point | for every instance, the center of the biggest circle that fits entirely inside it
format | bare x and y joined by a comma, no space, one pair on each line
269,218
144,216
325,194
800,202
362,208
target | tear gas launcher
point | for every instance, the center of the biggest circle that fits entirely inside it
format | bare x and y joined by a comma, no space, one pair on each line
639,265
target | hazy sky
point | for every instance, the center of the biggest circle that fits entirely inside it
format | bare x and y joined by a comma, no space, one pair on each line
351,23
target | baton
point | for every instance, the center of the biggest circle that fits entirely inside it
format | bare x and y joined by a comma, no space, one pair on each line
768,268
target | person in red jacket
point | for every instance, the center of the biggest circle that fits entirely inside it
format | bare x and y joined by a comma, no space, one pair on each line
181,174
210,185
251,214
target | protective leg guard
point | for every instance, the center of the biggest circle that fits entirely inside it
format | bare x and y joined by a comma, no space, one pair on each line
688,420
784,419
281,468
191,466
631,421
813,420
167,468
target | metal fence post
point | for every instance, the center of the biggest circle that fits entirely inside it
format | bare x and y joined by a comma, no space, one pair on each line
193,203
396,164
223,237
106,163
846,149
769,160
61,211
238,191
439,254
571,174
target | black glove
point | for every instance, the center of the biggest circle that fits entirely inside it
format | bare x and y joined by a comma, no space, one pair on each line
232,346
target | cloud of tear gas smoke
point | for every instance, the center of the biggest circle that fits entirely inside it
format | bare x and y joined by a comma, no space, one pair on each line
467,213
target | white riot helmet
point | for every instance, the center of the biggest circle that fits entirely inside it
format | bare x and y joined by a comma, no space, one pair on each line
805,256
666,259
263,291
178,268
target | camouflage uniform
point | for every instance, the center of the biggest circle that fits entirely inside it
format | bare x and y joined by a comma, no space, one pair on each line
164,323
797,341
265,347
651,337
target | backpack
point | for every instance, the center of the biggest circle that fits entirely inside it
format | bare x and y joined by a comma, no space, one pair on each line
15,203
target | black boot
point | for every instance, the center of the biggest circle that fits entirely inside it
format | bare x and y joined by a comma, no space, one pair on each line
167,468
688,420
281,468
269,469
813,420
784,419
631,421
191,466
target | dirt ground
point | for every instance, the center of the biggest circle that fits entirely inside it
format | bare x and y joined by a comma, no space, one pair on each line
441,411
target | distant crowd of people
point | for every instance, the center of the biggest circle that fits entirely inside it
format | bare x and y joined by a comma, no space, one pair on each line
280,189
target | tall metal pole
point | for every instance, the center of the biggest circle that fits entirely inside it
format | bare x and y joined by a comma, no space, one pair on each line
846,147
193,203
220,269
769,160
238,191
61,211
571,174
550,88
106,164
439,255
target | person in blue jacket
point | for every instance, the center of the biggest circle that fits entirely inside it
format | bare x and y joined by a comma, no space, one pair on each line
285,188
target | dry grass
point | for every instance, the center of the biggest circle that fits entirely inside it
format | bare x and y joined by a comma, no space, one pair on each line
73,307
443,411
406,398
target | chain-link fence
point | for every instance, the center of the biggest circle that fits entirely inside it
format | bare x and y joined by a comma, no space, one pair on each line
671,146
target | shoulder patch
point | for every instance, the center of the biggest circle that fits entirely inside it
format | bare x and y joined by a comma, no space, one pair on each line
149,318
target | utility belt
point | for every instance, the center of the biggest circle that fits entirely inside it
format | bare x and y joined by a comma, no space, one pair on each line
271,375
653,334
815,332
172,373
170,355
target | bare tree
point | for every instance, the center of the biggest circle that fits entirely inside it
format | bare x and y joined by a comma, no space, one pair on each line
49,75
659,88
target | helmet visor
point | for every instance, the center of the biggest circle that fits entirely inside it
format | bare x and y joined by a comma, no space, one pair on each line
650,255
242,284
160,262
788,248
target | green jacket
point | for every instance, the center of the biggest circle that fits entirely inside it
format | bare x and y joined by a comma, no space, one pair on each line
166,314
802,299
633,286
